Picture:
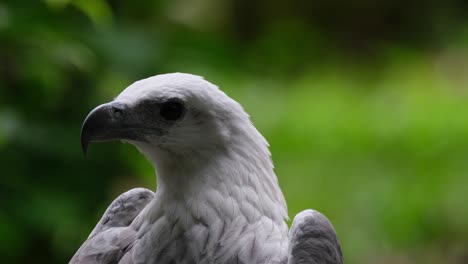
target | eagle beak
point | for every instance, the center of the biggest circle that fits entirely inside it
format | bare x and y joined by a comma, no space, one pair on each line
104,123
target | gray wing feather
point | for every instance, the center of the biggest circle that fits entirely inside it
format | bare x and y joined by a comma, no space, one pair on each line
313,240
112,237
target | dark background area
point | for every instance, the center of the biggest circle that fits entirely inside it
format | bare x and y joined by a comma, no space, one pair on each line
364,103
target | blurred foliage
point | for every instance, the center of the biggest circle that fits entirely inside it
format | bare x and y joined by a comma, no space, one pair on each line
365,105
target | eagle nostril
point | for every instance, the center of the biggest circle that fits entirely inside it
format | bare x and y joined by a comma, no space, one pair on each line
117,111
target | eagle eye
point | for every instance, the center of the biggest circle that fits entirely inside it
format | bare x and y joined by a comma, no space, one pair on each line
172,110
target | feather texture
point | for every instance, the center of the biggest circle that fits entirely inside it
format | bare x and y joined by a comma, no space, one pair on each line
312,239
218,199
112,237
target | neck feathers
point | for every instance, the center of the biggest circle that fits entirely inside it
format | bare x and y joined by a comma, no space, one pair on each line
228,179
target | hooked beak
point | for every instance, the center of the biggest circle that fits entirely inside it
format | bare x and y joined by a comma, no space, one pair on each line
105,123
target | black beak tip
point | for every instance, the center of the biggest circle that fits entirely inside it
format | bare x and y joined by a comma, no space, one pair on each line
88,129
98,126
84,141
84,147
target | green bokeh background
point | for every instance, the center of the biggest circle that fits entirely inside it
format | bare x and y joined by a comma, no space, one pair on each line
365,106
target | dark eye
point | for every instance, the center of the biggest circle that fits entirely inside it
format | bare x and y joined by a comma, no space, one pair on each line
172,110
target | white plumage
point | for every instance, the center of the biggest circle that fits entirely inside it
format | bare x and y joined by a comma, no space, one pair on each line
217,199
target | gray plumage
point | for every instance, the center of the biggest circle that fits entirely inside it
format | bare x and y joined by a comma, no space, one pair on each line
312,239
218,199
112,237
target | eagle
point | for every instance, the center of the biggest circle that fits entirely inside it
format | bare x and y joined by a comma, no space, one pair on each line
217,198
